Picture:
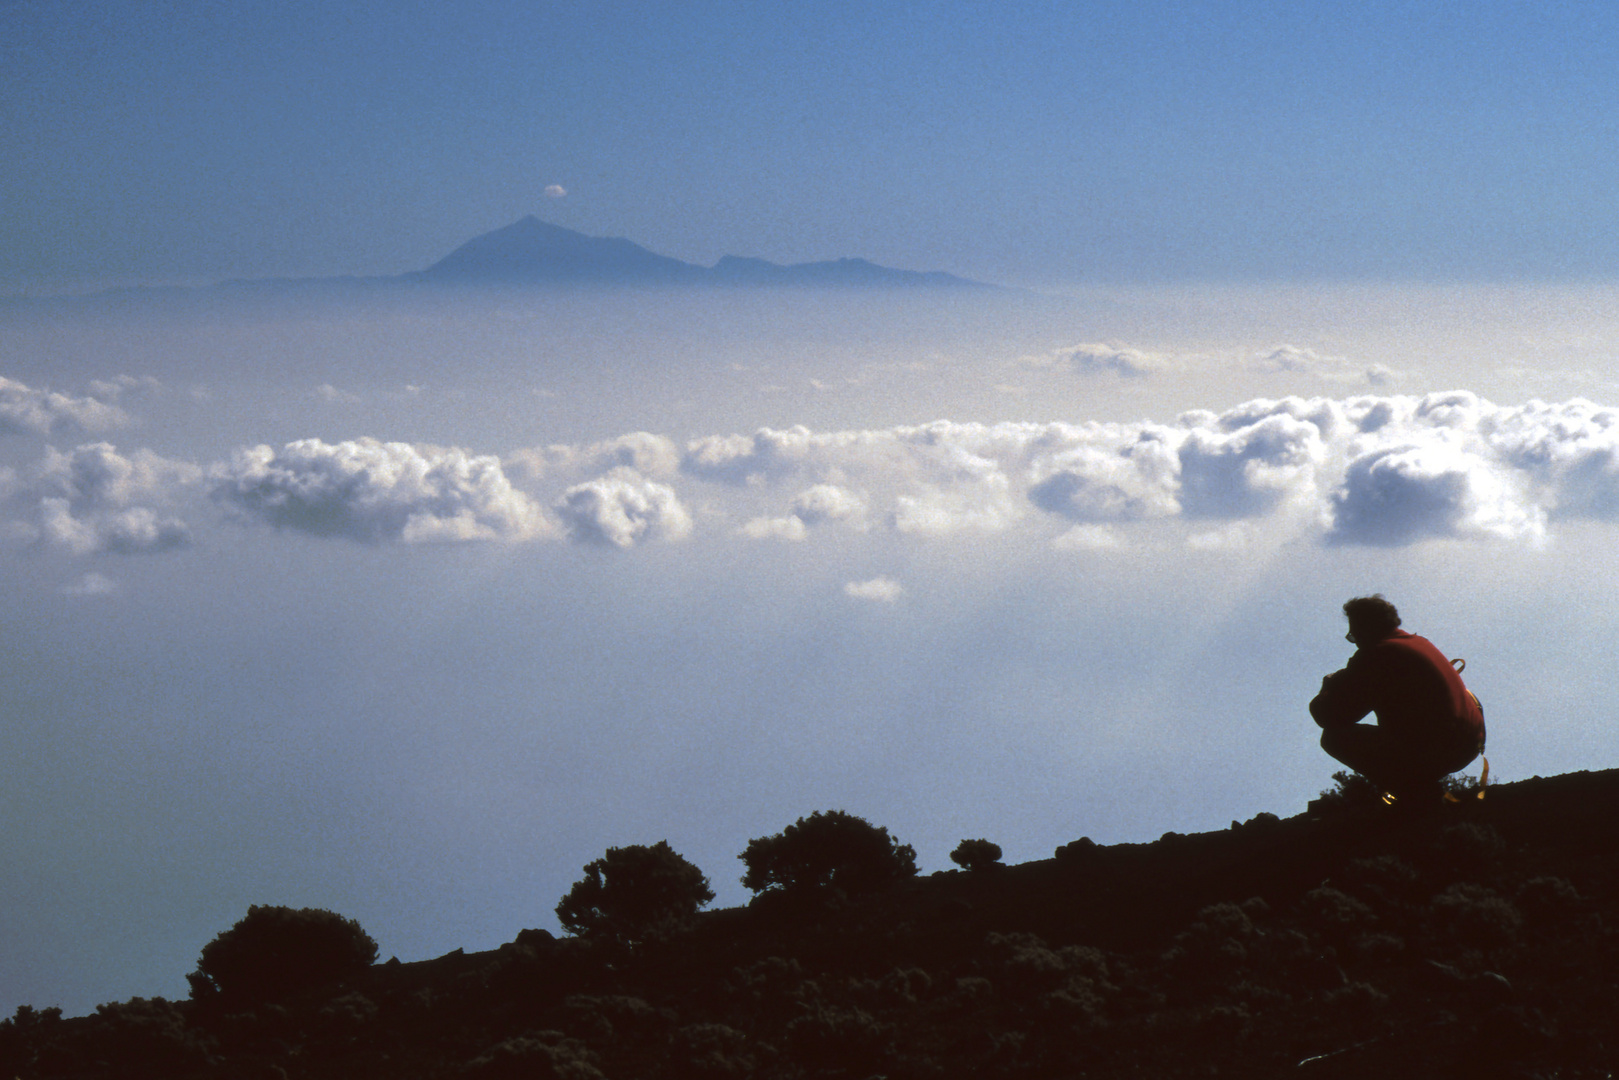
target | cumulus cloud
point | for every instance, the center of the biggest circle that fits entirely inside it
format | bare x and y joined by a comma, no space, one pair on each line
1372,470
813,506
1114,473
1434,488
27,411
1101,359
1088,538
555,191
648,454
622,509
1365,470
881,589
1248,471
376,492
94,499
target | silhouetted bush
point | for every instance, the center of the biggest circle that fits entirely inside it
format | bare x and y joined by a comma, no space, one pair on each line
848,1040
275,951
833,850
1544,900
1474,916
709,1051
546,1055
25,1035
1352,790
147,1038
634,893
976,854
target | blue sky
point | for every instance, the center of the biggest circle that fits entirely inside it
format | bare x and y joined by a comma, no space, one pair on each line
408,605
1041,143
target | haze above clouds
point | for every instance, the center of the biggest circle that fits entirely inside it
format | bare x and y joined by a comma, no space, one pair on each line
409,604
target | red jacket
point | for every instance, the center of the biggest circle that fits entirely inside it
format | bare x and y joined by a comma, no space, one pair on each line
1409,684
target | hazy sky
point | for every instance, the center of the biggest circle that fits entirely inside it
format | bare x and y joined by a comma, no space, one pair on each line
1032,142
408,605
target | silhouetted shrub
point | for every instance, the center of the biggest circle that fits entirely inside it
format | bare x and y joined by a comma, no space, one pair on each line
604,1020
634,893
849,1040
709,1052
834,849
1215,947
1469,849
1474,916
1070,982
1077,851
1335,915
1384,881
25,1035
147,1037
1352,790
276,951
976,854
546,1055
1546,899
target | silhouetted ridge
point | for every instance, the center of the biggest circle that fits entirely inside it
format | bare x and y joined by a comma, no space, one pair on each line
1350,941
532,251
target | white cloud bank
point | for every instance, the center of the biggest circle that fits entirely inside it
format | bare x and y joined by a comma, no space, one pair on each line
623,509
376,492
1382,471
25,410
94,500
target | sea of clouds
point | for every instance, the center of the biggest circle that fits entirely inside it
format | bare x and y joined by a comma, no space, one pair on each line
1358,470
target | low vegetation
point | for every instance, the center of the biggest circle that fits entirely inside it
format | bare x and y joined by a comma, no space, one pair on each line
1349,941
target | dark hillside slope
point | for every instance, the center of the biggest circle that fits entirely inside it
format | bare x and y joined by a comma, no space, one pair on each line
1351,941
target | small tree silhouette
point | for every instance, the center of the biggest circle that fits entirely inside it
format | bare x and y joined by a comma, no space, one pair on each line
830,850
976,854
276,951
633,893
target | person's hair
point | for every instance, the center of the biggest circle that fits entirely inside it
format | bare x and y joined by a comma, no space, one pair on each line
1372,614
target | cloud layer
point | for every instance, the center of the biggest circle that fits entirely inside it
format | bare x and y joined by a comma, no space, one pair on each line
377,492
1381,471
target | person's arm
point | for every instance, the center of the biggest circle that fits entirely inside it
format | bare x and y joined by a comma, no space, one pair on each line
1342,700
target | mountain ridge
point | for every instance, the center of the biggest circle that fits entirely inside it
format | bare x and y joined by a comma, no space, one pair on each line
532,251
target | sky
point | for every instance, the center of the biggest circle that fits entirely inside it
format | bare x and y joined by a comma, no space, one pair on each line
407,604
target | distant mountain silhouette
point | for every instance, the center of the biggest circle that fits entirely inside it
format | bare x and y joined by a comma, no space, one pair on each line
532,251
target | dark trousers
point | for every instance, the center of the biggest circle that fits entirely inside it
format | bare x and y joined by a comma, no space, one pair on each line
1407,767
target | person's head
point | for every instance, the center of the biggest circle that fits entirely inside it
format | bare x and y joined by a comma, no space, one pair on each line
1371,618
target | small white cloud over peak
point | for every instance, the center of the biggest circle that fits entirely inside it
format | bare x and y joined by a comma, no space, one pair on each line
555,191
880,589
